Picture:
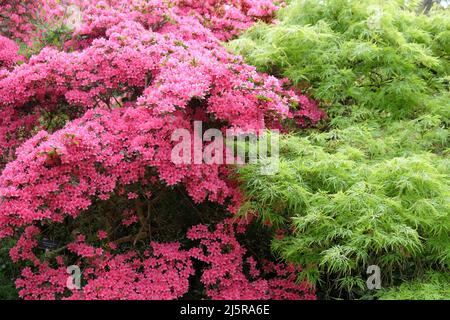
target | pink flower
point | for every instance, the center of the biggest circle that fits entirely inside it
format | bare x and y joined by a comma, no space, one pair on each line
102,235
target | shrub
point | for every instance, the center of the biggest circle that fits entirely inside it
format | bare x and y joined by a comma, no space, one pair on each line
380,56
86,132
371,186
341,208
433,287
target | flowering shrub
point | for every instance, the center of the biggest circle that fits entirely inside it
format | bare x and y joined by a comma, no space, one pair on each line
93,125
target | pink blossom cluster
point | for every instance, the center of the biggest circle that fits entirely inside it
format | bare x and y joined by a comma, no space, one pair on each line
15,126
16,16
9,53
309,112
19,18
225,18
163,272
225,278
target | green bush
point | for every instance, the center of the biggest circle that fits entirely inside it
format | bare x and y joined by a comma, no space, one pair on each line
365,53
434,287
371,186
352,199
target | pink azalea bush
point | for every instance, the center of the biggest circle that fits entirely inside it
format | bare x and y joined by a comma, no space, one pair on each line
93,123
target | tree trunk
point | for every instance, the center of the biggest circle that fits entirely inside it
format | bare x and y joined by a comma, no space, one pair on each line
426,6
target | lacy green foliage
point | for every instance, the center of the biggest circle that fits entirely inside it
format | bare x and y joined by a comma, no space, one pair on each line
434,287
372,185
367,53
359,196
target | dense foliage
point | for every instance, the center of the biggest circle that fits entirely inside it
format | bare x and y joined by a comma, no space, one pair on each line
371,187
434,286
